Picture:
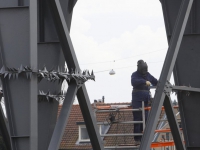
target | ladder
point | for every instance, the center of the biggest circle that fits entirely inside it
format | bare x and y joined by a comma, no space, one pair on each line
158,143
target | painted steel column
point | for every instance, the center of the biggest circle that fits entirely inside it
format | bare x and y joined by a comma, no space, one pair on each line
3,126
63,34
90,120
72,62
41,20
20,3
169,110
166,73
33,80
63,117
4,129
9,143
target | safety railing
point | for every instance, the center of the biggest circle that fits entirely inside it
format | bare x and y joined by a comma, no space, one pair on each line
156,145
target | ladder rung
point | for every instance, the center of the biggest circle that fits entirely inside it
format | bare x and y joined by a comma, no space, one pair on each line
133,134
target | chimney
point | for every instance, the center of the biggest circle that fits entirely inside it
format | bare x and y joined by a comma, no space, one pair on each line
103,98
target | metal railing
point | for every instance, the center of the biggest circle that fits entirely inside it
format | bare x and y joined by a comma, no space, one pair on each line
164,144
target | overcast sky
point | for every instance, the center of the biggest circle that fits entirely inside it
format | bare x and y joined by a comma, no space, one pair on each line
115,34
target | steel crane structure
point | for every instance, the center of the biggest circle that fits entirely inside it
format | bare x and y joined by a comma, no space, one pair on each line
182,27
35,33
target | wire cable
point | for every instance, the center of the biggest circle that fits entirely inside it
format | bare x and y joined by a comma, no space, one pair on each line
140,54
124,67
124,58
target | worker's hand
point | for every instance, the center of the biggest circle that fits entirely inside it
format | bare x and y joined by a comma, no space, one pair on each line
148,83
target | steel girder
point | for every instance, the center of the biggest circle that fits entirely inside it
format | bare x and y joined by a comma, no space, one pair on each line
72,62
31,122
34,80
4,126
162,90
186,72
19,45
63,117
17,98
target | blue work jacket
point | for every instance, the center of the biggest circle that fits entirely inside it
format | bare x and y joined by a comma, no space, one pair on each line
140,89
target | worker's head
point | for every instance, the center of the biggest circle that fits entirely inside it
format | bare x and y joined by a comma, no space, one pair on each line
142,67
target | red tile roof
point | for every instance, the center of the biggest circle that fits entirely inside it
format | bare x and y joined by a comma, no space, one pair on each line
70,137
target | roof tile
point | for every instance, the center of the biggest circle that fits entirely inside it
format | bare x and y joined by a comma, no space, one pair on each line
70,136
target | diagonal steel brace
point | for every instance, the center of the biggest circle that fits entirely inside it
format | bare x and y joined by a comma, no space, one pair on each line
71,60
168,67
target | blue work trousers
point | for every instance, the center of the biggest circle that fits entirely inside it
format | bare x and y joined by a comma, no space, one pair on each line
137,116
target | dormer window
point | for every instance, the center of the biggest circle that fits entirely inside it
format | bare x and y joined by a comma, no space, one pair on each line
83,134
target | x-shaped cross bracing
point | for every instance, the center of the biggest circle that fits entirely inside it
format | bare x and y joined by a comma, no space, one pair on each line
71,60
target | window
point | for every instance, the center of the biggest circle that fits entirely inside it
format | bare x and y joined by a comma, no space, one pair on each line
83,134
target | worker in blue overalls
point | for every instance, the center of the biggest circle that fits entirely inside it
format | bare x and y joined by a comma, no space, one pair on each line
141,80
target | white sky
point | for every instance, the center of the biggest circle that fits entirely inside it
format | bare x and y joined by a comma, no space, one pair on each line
117,30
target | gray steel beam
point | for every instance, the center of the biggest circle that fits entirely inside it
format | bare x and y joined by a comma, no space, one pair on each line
89,118
71,5
4,129
63,34
20,2
41,20
33,81
6,134
63,117
169,110
166,73
72,62
187,89
183,123
182,88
